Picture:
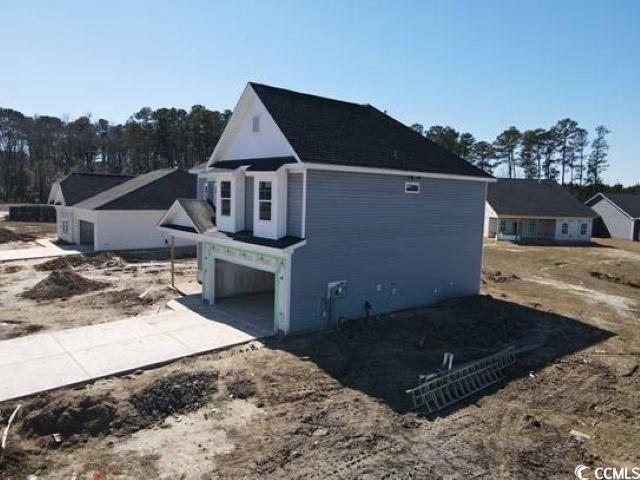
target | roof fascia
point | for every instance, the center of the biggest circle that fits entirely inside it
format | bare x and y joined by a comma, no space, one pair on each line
385,171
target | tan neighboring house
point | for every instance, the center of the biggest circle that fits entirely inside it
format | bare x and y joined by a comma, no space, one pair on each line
519,209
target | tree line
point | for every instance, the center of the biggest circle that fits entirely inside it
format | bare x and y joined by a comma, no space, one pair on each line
562,152
35,151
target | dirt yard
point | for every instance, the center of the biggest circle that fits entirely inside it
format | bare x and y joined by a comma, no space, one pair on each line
333,404
14,235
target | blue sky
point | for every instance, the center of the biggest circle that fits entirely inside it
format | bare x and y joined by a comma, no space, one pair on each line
479,66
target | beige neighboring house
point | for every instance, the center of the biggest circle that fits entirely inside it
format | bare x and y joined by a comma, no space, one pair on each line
519,209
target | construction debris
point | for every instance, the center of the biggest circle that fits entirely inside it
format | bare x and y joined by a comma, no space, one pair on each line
6,430
447,386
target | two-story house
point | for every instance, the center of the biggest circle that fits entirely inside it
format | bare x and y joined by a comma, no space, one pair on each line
335,208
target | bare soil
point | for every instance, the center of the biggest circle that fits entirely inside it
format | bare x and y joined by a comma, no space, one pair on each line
332,404
15,235
129,289
62,284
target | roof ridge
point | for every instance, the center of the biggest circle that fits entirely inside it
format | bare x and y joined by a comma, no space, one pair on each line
101,174
311,95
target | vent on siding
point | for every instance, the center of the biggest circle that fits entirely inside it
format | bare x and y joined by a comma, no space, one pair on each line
256,124
411,187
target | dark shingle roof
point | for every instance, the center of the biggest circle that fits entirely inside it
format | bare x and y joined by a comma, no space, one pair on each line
200,212
627,202
78,186
268,164
322,130
531,197
247,236
155,190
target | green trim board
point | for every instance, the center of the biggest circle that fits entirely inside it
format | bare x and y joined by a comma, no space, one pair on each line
209,254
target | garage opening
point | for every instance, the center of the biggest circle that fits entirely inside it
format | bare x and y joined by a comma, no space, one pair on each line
86,232
245,293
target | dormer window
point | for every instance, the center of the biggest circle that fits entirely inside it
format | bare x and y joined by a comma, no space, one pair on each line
264,197
225,198
256,124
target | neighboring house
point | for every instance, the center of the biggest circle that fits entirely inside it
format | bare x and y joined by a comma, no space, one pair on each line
519,209
122,216
77,186
619,215
336,208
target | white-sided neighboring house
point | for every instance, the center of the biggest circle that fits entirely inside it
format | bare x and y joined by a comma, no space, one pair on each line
124,216
73,189
521,210
619,215
330,210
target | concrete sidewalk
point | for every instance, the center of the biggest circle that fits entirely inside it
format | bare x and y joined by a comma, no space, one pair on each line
46,250
36,363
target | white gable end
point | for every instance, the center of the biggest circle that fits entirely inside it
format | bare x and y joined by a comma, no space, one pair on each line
251,133
176,216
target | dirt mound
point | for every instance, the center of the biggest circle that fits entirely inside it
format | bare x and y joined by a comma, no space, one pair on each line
62,284
128,298
8,235
179,392
241,386
103,260
499,277
84,416
607,277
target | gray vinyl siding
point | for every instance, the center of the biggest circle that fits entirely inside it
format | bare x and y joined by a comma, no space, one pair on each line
201,183
617,223
364,229
295,182
248,203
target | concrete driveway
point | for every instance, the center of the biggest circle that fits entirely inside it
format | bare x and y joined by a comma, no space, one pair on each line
36,363
46,249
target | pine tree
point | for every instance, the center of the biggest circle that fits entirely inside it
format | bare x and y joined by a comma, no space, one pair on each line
579,143
483,156
505,147
598,157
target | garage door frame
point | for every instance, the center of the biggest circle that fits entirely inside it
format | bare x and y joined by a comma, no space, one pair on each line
84,231
279,265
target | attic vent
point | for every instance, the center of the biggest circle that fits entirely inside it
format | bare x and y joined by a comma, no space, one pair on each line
256,124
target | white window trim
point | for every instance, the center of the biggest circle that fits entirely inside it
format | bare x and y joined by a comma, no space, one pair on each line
277,226
408,185
586,228
562,224
271,183
230,197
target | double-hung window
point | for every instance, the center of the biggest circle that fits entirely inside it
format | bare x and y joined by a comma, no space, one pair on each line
564,229
264,199
583,228
225,198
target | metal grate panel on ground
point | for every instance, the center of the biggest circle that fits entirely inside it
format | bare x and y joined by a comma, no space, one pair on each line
439,390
